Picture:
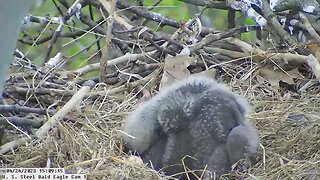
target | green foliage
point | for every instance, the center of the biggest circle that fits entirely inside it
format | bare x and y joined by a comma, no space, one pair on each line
174,9
242,19
42,8
171,8
218,18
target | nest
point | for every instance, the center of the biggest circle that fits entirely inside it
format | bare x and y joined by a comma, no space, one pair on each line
88,142
83,120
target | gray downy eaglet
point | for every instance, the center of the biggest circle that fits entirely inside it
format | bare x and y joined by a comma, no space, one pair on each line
197,121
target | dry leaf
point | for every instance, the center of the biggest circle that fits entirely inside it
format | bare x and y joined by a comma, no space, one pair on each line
275,76
314,49
294,73
175,68
211,73
146,95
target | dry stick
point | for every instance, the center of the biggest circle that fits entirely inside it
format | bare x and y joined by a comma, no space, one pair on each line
17,108
74,101
125,87
274,25
208,4
45,91
122,59
110,7
314,64
309,27
18,121
244,46
286,57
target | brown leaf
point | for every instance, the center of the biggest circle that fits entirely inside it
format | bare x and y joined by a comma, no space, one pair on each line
275,76
211,73
295,73
175,68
